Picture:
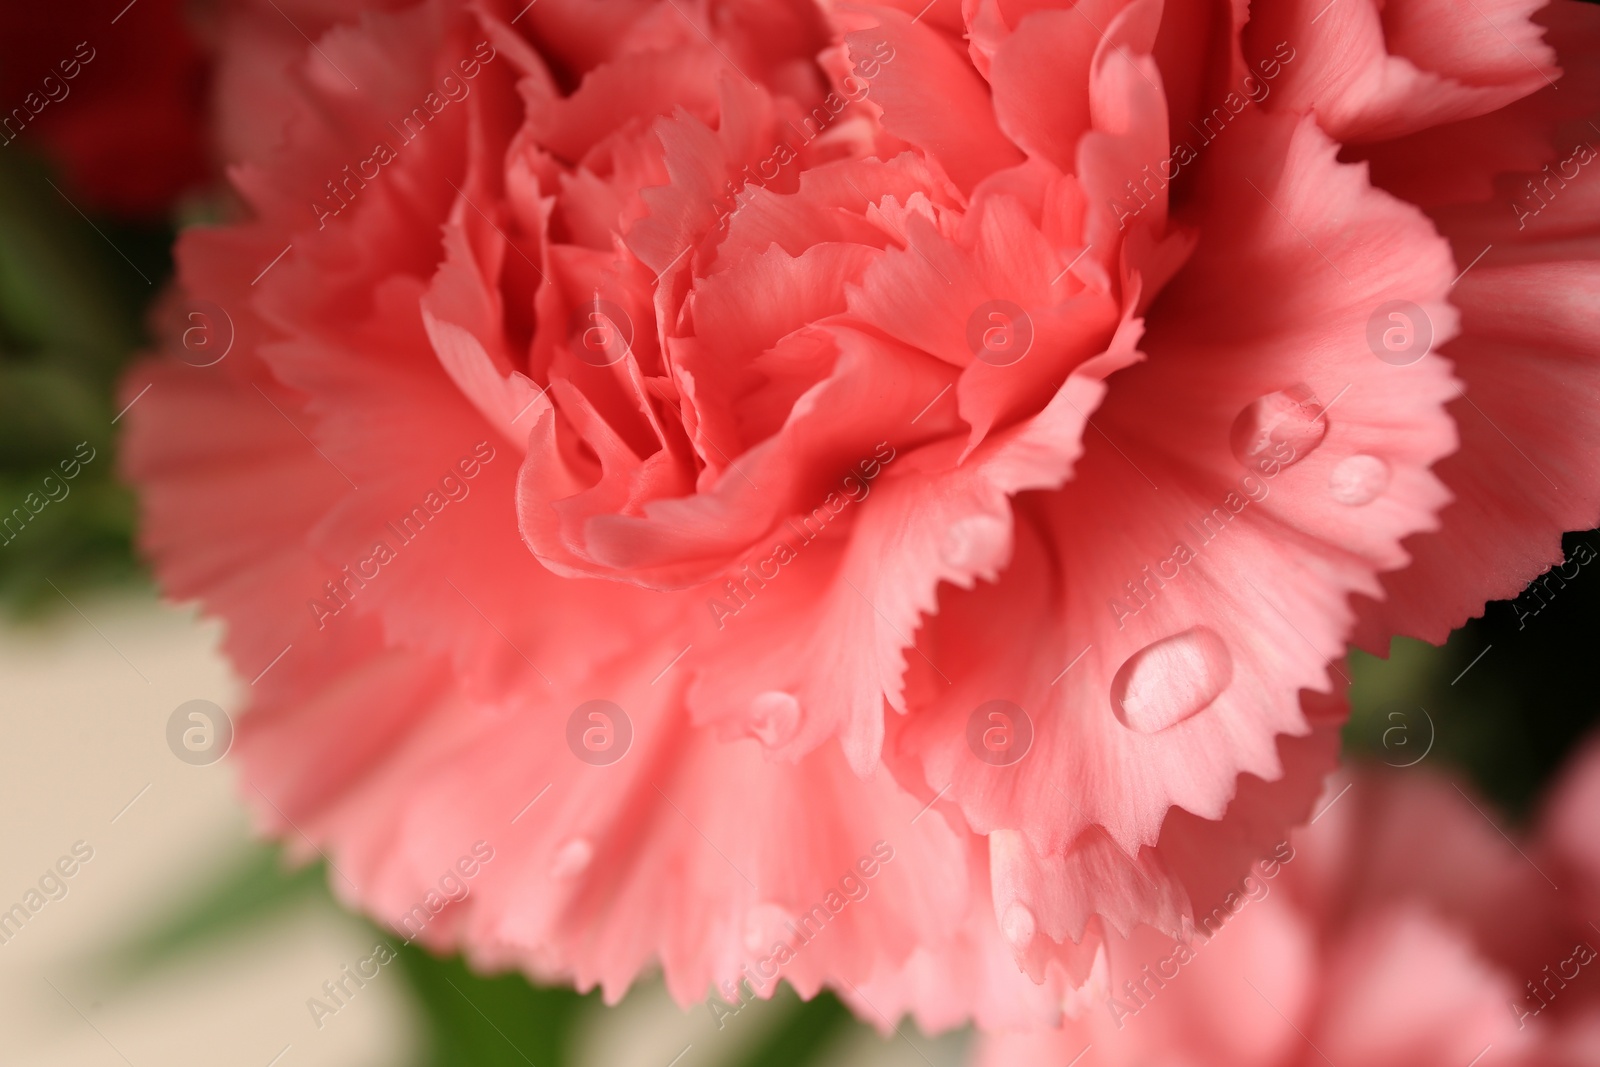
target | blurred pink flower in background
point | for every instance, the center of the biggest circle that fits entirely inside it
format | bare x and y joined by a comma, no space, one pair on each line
1402,928
113,94
733,365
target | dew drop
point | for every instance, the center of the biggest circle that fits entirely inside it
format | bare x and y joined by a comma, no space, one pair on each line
1166,682
765,924
1018,924
975,541
571,859
774,717
1359,479
1282,427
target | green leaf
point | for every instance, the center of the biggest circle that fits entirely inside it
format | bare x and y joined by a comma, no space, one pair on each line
256,887
1506,698
804,1032
70,314
502,1021
62,284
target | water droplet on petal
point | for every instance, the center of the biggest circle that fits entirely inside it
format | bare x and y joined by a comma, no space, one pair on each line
765,924
1166,682
977,541
1282,428
1359,479
1018,924
571,859
774,717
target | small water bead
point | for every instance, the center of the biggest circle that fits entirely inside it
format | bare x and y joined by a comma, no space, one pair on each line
571,859
973,540
1171,680
1018,924
764,925
1282,427
1358,480
774,717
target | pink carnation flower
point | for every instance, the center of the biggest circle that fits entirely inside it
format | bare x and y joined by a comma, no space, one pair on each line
1402,928
954,445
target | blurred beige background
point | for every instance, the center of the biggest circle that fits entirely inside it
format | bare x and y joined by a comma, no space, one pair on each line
84,701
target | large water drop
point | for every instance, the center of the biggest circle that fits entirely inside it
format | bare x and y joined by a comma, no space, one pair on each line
1171,680
1282,428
